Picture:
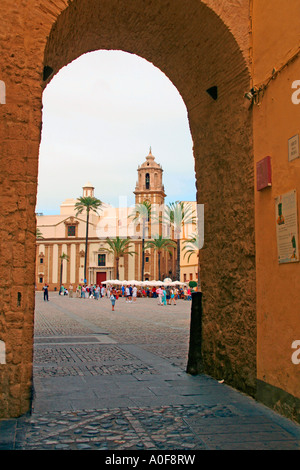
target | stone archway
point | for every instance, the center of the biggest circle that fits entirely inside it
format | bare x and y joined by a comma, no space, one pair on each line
204,53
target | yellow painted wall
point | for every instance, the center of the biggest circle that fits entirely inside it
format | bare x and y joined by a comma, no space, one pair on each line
275,120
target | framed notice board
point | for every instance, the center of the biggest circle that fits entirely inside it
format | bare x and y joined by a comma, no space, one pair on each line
286,214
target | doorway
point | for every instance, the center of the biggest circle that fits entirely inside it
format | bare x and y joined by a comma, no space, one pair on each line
101,277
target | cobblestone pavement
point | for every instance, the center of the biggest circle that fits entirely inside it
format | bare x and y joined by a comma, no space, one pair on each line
116,381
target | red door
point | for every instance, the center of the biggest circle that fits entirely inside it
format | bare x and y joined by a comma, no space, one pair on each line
100,277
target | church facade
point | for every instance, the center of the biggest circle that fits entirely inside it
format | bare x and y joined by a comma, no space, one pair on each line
60,250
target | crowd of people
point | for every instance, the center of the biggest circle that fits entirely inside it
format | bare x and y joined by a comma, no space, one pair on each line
166,295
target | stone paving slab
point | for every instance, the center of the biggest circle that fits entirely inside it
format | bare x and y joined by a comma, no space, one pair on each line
116,381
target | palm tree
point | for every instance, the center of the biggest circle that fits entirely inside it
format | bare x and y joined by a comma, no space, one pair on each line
160,244
62,257
176,215
87,203
142,214
119,247
193,245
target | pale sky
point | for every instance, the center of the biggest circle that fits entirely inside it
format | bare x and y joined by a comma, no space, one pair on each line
101,114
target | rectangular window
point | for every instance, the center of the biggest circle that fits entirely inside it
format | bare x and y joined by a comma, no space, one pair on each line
41,260
101,260
40,280
147,259
71,230
184,277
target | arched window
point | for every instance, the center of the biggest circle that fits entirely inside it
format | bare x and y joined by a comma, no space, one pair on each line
147,181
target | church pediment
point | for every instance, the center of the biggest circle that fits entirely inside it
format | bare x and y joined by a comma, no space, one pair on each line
71,221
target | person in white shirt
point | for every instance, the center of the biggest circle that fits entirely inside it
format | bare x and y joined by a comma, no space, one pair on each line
160,293
134,293
127,292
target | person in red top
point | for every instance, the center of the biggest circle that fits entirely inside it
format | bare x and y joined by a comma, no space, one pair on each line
189,294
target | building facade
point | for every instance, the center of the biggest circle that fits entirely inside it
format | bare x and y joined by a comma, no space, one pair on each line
64,234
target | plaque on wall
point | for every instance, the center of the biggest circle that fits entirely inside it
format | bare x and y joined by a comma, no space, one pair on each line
294,148
287,227
263,173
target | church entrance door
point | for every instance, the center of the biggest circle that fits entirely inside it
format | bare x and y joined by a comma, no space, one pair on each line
100,278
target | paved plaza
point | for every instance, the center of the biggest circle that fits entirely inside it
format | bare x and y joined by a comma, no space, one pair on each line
115,381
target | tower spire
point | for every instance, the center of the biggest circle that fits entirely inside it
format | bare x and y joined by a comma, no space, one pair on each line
150,185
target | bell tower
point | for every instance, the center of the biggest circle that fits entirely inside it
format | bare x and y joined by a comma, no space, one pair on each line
149,186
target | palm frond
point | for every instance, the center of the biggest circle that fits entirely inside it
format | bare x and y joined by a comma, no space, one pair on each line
64,256
191,245
39,234
179,213
160,243
88,203
119,247
142,211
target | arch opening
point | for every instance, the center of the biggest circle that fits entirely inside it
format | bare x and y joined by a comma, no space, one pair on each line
205,63
196,50
120,163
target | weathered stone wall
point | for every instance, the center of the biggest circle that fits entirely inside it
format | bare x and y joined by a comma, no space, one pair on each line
225,186
222,136
194,47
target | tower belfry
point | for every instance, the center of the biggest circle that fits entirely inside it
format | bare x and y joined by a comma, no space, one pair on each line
149,186
88,190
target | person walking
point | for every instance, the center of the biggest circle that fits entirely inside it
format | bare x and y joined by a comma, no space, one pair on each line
102,291
113,300
46,295
164,296
172,296
168,295
83,292
97,292
134,293
71,291
189,294
130,293
159,292
87,292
